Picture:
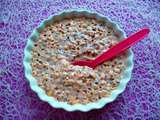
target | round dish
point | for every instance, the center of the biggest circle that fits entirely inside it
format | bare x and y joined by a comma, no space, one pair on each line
57,104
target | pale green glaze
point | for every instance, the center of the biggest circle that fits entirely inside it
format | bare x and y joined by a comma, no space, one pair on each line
53,102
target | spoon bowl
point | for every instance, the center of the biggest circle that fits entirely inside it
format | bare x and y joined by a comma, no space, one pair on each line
115,50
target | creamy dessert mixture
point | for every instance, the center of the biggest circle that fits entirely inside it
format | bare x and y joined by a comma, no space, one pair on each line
72,39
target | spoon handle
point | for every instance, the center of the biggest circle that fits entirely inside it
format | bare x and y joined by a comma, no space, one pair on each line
120,47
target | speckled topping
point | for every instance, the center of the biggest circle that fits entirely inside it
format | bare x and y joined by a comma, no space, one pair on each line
69,40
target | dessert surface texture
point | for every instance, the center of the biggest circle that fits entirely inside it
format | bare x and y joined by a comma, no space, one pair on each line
72,39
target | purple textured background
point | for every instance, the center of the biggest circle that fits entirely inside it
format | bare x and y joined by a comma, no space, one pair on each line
141,99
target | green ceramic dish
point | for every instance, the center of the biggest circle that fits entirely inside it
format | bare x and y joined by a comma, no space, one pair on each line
53,102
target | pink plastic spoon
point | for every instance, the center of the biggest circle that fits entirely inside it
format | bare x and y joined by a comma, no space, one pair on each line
114,50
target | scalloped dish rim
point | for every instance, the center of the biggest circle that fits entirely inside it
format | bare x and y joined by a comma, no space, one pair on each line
64,105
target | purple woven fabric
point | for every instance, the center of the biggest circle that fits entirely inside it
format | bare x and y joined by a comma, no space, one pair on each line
141,99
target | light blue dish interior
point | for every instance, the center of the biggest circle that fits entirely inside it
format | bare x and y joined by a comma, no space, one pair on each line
80,107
